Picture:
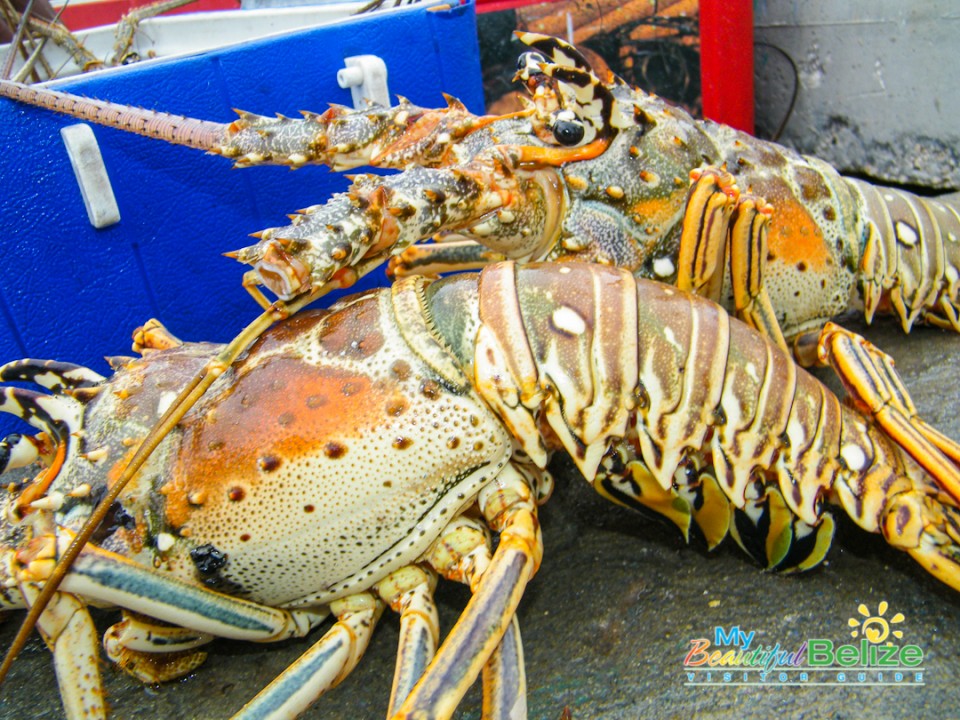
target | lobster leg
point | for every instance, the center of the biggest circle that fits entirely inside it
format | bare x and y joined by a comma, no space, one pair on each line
445,256
462,554
110,578
409,591
323,666
505,680
126,29
748,252
151,652
718,219
703,241
509,506
875,389
153,335
69,632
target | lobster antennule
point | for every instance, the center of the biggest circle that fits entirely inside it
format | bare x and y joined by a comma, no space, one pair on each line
57,415
17,451
50,374
555,49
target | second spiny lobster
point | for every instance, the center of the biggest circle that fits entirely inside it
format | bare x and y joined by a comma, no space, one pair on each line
591,170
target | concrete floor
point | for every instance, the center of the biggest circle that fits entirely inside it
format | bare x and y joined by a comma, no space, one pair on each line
609,619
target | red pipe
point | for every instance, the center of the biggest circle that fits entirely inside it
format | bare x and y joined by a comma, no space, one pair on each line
726,61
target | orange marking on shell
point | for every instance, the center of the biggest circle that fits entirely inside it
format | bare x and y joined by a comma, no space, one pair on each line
795,236
116,470
660,210
268,414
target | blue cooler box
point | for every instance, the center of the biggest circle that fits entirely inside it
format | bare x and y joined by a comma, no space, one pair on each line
72,292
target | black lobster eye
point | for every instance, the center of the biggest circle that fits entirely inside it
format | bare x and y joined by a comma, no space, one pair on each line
568,132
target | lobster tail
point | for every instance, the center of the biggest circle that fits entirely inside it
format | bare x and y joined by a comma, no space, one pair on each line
910,263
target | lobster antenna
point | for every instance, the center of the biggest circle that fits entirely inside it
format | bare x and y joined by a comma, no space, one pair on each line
198,134
185,400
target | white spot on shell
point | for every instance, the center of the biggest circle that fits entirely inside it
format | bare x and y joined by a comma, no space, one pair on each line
853,456
663,267
568,320
670,337
888,197
165,401
751,370
165,541
906,234
951,273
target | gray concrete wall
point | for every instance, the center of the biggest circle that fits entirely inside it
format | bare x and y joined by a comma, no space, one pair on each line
879,84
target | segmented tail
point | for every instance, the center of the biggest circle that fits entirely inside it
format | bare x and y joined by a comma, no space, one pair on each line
911,256
663,402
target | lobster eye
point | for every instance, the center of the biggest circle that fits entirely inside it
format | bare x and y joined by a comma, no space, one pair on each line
568,132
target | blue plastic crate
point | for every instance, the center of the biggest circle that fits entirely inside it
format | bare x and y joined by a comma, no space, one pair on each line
71,292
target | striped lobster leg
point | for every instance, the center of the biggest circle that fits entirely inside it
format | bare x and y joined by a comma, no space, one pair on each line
718,221
911,258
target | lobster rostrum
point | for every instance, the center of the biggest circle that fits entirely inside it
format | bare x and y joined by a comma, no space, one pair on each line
335,465
592,170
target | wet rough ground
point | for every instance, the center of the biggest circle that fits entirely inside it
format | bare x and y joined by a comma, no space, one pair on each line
610,616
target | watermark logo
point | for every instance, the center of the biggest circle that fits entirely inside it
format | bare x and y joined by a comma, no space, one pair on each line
734,656
875,628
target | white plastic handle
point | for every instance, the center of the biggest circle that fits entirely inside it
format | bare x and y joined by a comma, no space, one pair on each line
91,174
366,76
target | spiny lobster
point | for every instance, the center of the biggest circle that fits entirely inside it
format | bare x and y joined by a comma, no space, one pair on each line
593,170
448,393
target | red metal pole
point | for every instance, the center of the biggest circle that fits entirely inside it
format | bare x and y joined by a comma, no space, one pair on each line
726,61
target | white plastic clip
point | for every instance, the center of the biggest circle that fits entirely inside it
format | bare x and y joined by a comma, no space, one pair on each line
366,76
91,174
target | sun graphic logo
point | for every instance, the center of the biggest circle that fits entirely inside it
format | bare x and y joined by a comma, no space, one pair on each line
876,628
